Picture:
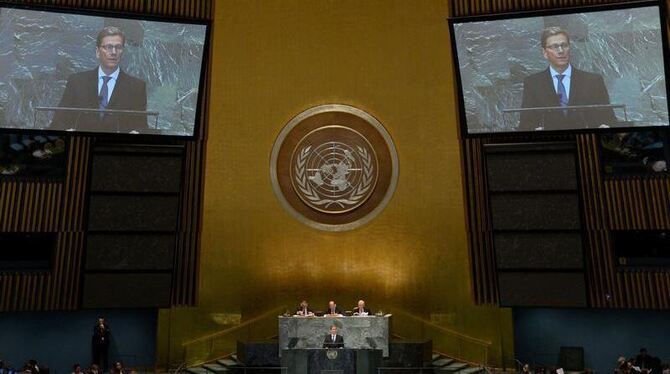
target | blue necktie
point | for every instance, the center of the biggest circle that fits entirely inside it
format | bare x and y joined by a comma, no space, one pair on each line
104,93
562,94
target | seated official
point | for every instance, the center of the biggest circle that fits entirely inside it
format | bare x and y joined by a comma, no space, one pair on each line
361,310
333,340
304,310
333,310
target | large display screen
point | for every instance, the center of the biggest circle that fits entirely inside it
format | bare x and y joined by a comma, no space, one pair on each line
99,74
574,69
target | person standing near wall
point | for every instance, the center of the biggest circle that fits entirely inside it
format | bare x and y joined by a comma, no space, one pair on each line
100,343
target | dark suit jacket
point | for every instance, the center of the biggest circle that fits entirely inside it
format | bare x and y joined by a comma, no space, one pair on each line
328,341
100,336
337,310
299,309
81,91
585,89
366,310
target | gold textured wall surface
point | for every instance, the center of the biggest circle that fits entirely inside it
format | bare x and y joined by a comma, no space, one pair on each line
274,59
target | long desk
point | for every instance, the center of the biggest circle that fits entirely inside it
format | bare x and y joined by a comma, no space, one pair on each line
359,332
344,361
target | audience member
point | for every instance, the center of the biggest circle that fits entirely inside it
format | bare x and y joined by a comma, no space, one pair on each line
31,366
525,369
631,367
622,366
7,368
647,363
117,368
76,369
93,369
657,365
643,360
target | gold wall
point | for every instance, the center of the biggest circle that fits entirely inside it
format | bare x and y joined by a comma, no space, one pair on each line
273,59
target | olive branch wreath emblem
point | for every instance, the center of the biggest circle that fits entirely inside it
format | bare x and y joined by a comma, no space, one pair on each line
313,196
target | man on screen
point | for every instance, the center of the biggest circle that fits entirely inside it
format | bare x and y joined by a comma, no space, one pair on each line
105,87
563,85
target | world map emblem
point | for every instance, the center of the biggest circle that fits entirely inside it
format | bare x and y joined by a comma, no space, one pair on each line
331,174
334,167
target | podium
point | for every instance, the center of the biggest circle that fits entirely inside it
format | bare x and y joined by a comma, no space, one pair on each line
331,361
88,118
369,332
581,115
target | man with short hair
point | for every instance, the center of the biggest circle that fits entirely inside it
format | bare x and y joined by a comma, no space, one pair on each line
100,343
304,310
563,85
333,340
333,310
360,309
105,87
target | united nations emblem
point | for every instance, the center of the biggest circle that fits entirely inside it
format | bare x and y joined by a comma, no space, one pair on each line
334,167
331,175
331,354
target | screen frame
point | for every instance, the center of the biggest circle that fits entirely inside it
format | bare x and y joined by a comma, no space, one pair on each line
202,107
463,126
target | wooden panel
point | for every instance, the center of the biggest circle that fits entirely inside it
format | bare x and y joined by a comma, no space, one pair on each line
22,291
638,203
38,206
29,206
621,205
628,204
194,9
34,206
65,281
480,233
482,7
187,254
